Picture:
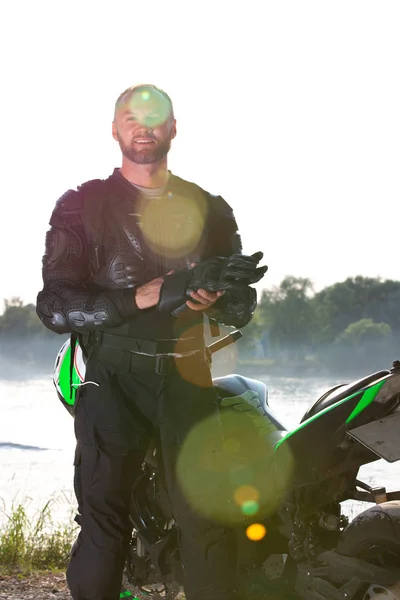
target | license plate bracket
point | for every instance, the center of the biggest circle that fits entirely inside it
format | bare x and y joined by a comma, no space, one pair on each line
381,436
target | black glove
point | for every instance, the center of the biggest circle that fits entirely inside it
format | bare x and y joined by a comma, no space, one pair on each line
236,307
216,274
221,273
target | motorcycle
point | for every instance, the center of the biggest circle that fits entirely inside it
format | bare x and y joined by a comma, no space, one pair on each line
293,539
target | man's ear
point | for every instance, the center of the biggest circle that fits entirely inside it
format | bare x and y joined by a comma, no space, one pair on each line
173,130
114,131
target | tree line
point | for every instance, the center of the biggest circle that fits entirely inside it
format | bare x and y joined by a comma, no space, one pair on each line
357,319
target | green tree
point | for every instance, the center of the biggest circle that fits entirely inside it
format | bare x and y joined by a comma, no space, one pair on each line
355,299
250,344
20,320
289,316
364,332
363,346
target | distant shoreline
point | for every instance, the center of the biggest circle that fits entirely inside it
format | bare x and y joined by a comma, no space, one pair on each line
41,367
33,357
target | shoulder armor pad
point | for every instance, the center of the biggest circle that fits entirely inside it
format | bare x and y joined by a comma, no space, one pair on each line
70,205
223,227
89,185
217,204
221,208
67,207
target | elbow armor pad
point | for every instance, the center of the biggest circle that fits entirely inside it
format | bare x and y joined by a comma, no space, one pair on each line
53,320
76,320
87,320
77,312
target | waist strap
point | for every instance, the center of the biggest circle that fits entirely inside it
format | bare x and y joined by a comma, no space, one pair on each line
139,346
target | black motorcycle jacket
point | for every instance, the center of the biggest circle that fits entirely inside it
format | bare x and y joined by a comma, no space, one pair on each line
89,283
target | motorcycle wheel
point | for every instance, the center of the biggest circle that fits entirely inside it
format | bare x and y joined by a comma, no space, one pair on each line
151,591
374,536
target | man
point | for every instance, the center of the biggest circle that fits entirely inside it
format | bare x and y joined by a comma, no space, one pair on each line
131,274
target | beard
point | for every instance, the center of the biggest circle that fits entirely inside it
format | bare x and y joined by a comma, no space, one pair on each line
145,156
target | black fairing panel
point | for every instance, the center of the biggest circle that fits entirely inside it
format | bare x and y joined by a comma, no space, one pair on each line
342,391
321,448
235,385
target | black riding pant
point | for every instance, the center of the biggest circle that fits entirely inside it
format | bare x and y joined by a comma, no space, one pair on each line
116,410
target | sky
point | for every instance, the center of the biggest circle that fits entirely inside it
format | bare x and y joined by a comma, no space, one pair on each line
289,109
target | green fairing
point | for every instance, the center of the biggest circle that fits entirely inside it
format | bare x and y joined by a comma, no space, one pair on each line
365,400
368,396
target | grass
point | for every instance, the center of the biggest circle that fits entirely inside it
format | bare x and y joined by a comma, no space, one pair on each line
33,544
30,544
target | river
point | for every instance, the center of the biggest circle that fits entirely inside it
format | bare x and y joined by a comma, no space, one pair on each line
37,441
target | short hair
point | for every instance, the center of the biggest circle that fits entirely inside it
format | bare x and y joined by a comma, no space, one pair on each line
142,88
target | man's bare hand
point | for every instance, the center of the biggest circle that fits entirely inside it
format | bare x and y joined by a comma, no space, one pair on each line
206,299
148,294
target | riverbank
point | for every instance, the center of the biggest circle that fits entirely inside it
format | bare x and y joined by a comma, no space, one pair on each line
33,555
31,544
44,585
305,367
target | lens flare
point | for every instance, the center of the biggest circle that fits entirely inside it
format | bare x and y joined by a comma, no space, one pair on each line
250,508
191,370
247,497
256,532
241,475
231,445
150,107
246,493
228,471
173,227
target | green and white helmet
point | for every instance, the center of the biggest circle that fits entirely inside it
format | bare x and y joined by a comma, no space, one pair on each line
61,377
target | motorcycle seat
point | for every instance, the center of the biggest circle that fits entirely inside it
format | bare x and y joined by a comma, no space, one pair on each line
237,385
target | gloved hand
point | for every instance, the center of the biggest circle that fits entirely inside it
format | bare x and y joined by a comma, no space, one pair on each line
221,273
215,274
236,307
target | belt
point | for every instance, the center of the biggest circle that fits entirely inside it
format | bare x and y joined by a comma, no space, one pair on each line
134,362
152,348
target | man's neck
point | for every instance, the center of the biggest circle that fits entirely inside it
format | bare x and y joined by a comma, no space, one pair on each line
153,175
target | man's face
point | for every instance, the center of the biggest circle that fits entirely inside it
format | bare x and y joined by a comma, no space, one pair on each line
144,127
